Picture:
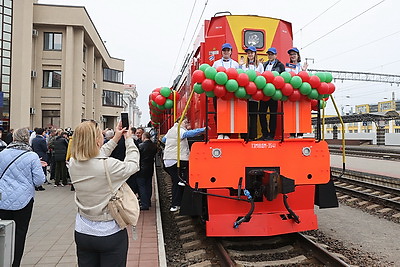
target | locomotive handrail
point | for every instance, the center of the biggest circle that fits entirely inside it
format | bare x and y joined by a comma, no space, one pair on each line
179,127
343,139
222,12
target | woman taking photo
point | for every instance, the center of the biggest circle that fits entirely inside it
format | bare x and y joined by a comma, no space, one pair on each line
20,172
99,240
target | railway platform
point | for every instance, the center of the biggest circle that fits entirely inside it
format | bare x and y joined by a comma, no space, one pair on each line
369,165
50,239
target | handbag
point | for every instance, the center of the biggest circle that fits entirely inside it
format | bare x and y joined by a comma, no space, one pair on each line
123,204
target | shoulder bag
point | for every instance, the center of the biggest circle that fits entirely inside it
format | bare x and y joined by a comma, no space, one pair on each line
123,204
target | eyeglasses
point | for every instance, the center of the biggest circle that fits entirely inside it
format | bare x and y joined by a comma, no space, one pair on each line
93,121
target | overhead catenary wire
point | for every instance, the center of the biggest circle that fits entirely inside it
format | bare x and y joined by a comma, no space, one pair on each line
317,17
341,25
183,40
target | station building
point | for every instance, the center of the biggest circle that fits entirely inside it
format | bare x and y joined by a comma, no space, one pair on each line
55,68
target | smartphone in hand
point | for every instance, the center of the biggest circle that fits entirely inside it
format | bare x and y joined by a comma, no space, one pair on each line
125,120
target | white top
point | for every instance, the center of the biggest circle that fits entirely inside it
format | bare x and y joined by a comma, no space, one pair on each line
296,68
229,63
95,228
259,68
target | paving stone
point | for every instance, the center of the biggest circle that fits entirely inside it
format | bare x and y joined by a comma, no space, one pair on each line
195,254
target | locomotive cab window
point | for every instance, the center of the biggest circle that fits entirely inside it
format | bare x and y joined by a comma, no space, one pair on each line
254,38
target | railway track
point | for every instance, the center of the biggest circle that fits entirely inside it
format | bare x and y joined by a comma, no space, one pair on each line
386,153
286,250
379,189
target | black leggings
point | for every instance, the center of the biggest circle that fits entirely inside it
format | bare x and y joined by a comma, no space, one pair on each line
102,251
22,218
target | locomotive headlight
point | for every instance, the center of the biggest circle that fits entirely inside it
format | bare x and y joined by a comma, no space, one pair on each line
254,38
306,151
216,152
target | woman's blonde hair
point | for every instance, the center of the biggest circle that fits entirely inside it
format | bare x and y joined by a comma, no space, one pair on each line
84,141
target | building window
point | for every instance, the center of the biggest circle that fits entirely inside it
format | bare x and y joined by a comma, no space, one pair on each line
112,98
114,76
397,130
52,41
84,53
51,118
51,79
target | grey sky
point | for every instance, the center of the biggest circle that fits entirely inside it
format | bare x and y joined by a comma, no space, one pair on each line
148,35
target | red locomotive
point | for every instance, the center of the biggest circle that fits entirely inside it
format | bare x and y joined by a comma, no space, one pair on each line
243,187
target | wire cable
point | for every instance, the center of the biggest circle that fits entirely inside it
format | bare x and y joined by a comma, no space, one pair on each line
194,32
344,24
317,17
374,41
183,40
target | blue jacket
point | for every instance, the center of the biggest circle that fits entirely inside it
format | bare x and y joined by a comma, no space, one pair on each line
17,187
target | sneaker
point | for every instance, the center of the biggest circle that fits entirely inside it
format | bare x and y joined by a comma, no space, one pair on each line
226,136
220,136
181,184
174,208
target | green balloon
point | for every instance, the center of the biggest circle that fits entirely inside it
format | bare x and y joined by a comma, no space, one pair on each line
321,76
231,85
322,103
153,103
240,71
165,91
277,96
197,88
252,75
260,82
269,89
210,73
240,92
286,76
221,78
305,88
327,95
284,98
296,82
320,97
168,104
328,77
313,94
210,94
247,96
160,107
204,66
275,73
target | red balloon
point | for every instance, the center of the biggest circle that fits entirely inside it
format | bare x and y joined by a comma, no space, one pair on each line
314,81
279,82
266,98
208,85
219,90
331,88
221,69
243,79
154,95
160,100
287,89
258,95
323,89
198,76
295,96
251,88
228,96
232,73
258,74
314,102
269,76
304,76
292,73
